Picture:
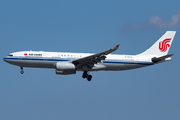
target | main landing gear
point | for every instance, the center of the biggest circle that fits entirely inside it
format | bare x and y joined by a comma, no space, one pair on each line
85,75
22,72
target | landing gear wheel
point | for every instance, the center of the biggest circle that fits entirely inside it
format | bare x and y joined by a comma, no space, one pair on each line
22,72
89,77
85,75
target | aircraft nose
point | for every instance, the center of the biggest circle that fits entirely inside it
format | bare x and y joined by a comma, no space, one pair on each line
5,59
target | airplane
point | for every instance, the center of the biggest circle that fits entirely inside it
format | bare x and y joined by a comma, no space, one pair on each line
66,63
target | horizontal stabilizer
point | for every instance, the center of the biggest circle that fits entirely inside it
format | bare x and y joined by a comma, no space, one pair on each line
157,59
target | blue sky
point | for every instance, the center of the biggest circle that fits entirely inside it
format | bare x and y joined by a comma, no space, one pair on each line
150,93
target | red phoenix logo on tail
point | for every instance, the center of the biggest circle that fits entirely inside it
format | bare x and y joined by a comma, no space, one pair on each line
163,45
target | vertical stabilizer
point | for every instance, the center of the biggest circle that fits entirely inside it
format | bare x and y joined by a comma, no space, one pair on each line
161,46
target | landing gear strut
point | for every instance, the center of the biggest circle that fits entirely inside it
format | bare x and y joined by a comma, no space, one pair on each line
85,75
22,72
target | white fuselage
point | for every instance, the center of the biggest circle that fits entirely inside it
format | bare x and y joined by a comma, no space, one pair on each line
68,63
40,59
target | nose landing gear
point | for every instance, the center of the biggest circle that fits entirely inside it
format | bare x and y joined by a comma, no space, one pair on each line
22,72
85,75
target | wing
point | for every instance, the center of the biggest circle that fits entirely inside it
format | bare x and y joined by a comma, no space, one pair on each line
95,58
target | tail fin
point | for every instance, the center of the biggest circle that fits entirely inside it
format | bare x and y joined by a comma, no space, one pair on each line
161,46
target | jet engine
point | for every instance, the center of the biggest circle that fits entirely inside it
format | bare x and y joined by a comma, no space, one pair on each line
65,68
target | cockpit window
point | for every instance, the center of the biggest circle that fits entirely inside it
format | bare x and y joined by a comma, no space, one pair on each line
10,55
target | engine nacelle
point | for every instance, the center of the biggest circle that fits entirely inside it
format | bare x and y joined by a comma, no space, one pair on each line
65,68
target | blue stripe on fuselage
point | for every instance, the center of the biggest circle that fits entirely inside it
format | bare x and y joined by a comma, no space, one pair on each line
35,58
68,59
123,62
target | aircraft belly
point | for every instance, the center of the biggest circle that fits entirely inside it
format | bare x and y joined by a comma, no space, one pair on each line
121,66
33,63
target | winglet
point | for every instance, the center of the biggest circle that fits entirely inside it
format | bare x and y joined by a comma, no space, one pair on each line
116,47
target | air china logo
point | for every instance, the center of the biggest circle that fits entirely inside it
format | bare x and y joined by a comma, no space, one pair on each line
163,45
